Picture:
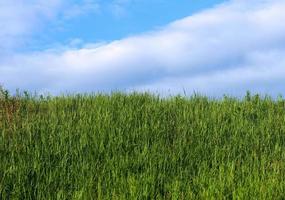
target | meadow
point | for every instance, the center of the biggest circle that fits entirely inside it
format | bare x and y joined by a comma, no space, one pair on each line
141,146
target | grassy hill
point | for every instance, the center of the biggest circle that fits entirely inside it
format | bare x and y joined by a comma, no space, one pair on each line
140,146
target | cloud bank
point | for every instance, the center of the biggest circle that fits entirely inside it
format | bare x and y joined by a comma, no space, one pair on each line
229,49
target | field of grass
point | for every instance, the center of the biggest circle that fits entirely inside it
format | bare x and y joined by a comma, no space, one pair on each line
140,146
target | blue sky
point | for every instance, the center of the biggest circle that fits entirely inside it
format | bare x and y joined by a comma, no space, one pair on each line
96,21
214,47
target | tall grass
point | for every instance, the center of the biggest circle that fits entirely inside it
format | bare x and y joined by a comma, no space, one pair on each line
140,146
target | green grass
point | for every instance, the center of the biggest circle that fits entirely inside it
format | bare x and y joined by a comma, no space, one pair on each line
140,146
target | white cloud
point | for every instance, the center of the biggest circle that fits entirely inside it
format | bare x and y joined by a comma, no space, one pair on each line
21,19
18,19
119,8
234,47
83,8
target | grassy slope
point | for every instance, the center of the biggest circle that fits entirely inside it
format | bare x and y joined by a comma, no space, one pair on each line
139,146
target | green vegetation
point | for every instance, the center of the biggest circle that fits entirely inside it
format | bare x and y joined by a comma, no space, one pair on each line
140,146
